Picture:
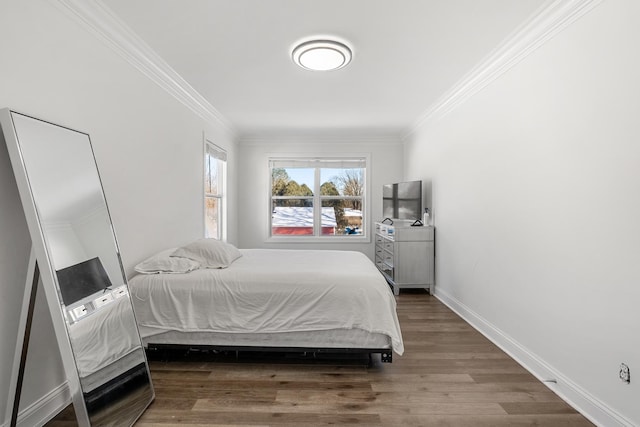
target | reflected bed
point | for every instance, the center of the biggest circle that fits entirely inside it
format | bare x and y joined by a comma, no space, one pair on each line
109,358
296,300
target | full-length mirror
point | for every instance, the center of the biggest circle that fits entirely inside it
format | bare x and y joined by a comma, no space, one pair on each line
63,195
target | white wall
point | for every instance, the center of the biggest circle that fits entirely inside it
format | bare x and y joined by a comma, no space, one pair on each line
148,146
254,177
536,197
85,238
66,249
96,241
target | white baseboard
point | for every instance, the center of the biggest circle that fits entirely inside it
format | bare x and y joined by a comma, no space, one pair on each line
45,408
593,409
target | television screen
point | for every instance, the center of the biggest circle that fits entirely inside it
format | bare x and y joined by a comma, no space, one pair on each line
81,280
402,200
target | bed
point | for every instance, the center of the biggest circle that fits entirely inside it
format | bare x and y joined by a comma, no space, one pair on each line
272,299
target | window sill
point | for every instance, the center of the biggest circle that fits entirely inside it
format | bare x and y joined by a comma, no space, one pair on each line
318,239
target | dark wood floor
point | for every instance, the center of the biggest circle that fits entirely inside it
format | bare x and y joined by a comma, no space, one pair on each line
450,375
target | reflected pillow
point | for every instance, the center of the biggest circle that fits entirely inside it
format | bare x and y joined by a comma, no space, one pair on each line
210,253
163,262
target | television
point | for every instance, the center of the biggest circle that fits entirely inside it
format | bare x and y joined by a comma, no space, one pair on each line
81,280
402,200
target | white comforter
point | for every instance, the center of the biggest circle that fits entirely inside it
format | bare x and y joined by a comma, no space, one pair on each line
104,337
269,290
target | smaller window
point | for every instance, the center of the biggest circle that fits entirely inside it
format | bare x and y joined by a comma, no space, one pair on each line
215,170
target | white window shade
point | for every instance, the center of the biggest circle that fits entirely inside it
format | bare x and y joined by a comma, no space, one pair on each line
216,152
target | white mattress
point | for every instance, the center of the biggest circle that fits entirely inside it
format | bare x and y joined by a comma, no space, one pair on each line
271,291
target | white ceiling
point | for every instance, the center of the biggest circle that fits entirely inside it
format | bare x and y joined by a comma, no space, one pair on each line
407,54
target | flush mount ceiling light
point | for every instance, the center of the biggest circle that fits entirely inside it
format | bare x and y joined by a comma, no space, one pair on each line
321,55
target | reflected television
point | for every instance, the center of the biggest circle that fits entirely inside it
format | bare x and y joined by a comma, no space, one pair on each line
402,200
81,280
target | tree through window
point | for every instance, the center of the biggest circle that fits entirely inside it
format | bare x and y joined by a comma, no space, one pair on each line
317,196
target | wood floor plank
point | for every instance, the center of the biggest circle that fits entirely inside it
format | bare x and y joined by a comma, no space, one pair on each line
414,355
288,376
467,363
260,368
503,377
438,327
345,407
170,385
450,387
412,398
567,420
248,396
421,369
449,376
407,378
557,407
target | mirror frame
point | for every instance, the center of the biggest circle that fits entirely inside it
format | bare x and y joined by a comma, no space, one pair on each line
44,266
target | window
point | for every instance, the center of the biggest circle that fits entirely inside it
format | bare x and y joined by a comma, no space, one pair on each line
317,197
215,171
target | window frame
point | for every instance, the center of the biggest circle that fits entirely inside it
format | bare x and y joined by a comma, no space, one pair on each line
365,237
221,155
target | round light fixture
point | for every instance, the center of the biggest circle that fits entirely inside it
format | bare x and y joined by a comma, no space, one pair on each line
321,55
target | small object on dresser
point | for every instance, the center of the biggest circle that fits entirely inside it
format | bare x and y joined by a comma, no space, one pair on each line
425,217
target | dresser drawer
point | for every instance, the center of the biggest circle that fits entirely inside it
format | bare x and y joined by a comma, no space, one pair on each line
388,259
379,251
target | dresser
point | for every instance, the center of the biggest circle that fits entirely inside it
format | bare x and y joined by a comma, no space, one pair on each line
405,255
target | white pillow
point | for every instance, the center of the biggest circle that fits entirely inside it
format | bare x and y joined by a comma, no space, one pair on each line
163,262
210,253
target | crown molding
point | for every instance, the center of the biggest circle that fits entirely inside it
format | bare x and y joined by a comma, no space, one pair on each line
110,29
302,139
549,20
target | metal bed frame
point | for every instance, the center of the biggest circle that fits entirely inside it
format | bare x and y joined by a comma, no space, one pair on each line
386,354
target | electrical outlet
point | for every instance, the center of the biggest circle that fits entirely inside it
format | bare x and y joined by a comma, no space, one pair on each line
625,374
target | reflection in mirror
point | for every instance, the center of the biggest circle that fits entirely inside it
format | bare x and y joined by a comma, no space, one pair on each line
90,284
